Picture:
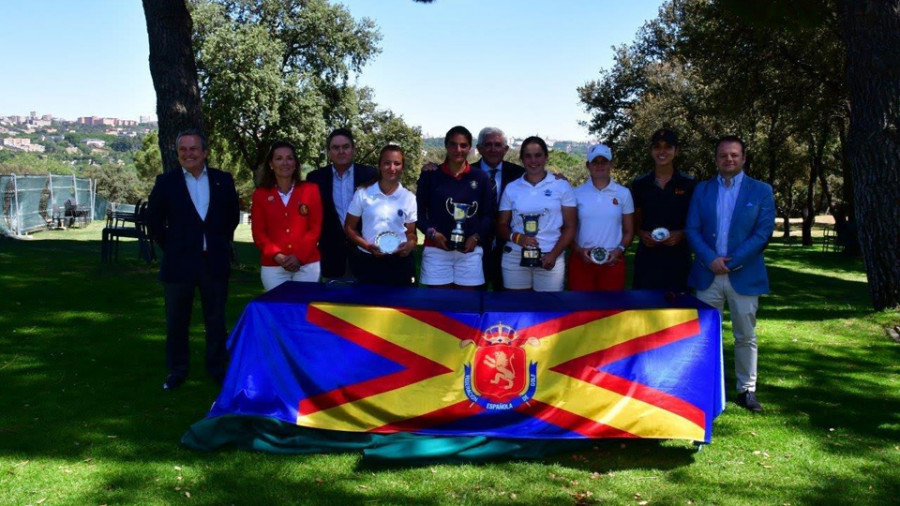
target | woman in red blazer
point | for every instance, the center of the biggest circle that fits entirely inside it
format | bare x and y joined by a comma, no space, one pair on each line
286,219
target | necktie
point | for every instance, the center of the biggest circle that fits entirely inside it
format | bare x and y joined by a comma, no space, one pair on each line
493,174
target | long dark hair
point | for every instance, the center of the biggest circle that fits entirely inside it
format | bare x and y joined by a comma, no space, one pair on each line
267,175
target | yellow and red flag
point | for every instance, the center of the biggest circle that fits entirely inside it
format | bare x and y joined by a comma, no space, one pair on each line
542,366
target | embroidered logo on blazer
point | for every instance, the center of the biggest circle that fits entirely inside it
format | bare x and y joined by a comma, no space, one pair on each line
473,184
304,209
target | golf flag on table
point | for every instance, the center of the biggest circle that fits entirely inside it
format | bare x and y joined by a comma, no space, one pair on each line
433,362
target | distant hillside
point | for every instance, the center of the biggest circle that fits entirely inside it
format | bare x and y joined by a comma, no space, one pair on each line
575,148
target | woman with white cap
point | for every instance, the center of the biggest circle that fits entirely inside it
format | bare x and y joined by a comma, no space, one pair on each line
605,227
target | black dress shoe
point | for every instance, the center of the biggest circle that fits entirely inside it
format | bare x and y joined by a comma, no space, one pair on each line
747,400
172,382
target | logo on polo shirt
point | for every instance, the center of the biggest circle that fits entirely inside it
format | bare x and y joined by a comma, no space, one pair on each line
400,212
615,201
548,193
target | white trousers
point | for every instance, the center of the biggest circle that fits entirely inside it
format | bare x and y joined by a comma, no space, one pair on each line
275,275
440,267
516,277
743,322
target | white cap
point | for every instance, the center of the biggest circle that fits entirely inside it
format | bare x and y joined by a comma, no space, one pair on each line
599,150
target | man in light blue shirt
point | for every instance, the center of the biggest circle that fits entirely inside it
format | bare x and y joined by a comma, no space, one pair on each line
192,214
336,183
729,223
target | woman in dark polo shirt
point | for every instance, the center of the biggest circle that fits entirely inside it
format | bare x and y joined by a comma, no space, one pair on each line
661,201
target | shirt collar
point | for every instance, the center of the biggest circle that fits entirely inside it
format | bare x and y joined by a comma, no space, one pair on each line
459,176
374,190
291,190
610,187
487,168
188,173
548,179
735,181
349,171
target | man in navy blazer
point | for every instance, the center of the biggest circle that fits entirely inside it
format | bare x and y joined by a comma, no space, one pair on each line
492,147
729,223
336,183
193,212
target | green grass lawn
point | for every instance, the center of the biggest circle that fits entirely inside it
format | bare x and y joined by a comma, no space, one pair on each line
83,419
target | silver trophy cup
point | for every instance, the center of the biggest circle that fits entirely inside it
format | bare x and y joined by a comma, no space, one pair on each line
460,211
531,255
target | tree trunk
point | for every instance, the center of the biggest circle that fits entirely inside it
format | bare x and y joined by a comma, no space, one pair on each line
871,30
826,192
174,73
789,209
809,210
847,188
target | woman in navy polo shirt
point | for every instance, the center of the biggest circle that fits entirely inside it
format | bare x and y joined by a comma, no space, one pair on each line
387,211
452,256
661,201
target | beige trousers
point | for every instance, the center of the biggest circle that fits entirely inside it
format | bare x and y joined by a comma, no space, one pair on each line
743,323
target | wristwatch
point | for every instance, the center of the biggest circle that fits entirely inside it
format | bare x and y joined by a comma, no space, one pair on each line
430,233
621,248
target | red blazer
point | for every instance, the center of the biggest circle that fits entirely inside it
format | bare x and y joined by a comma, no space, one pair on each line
294,228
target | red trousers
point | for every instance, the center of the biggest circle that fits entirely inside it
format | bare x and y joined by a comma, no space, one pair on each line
586,277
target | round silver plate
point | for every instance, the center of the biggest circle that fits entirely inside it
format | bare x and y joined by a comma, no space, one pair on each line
660,234
599,255
387,242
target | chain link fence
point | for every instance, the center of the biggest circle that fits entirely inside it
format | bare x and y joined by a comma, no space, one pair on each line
32,203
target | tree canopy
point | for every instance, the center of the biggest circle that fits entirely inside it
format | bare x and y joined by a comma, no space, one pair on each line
775,75
281,69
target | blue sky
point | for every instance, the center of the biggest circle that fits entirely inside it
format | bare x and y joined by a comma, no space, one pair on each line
514,64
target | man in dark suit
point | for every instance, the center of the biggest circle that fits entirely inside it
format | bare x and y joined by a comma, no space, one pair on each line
491,145
193,212
729,223
336,183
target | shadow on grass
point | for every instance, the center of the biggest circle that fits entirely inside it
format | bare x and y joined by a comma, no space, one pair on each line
81,361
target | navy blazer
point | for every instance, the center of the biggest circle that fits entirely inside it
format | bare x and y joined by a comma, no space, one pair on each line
333,243
751,228
175,225
508,174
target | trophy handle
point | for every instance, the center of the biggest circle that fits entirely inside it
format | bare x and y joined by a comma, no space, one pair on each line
449,205
473,208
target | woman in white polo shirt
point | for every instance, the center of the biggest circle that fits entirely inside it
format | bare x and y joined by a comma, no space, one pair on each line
536,193
605,221
388,214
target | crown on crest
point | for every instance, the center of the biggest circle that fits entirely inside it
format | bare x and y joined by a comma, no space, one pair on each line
500,333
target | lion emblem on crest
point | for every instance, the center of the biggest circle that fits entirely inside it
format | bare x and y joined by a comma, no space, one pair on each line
499,377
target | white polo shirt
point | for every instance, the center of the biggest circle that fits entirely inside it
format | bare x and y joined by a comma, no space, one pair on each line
383,213
549,196
600,214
